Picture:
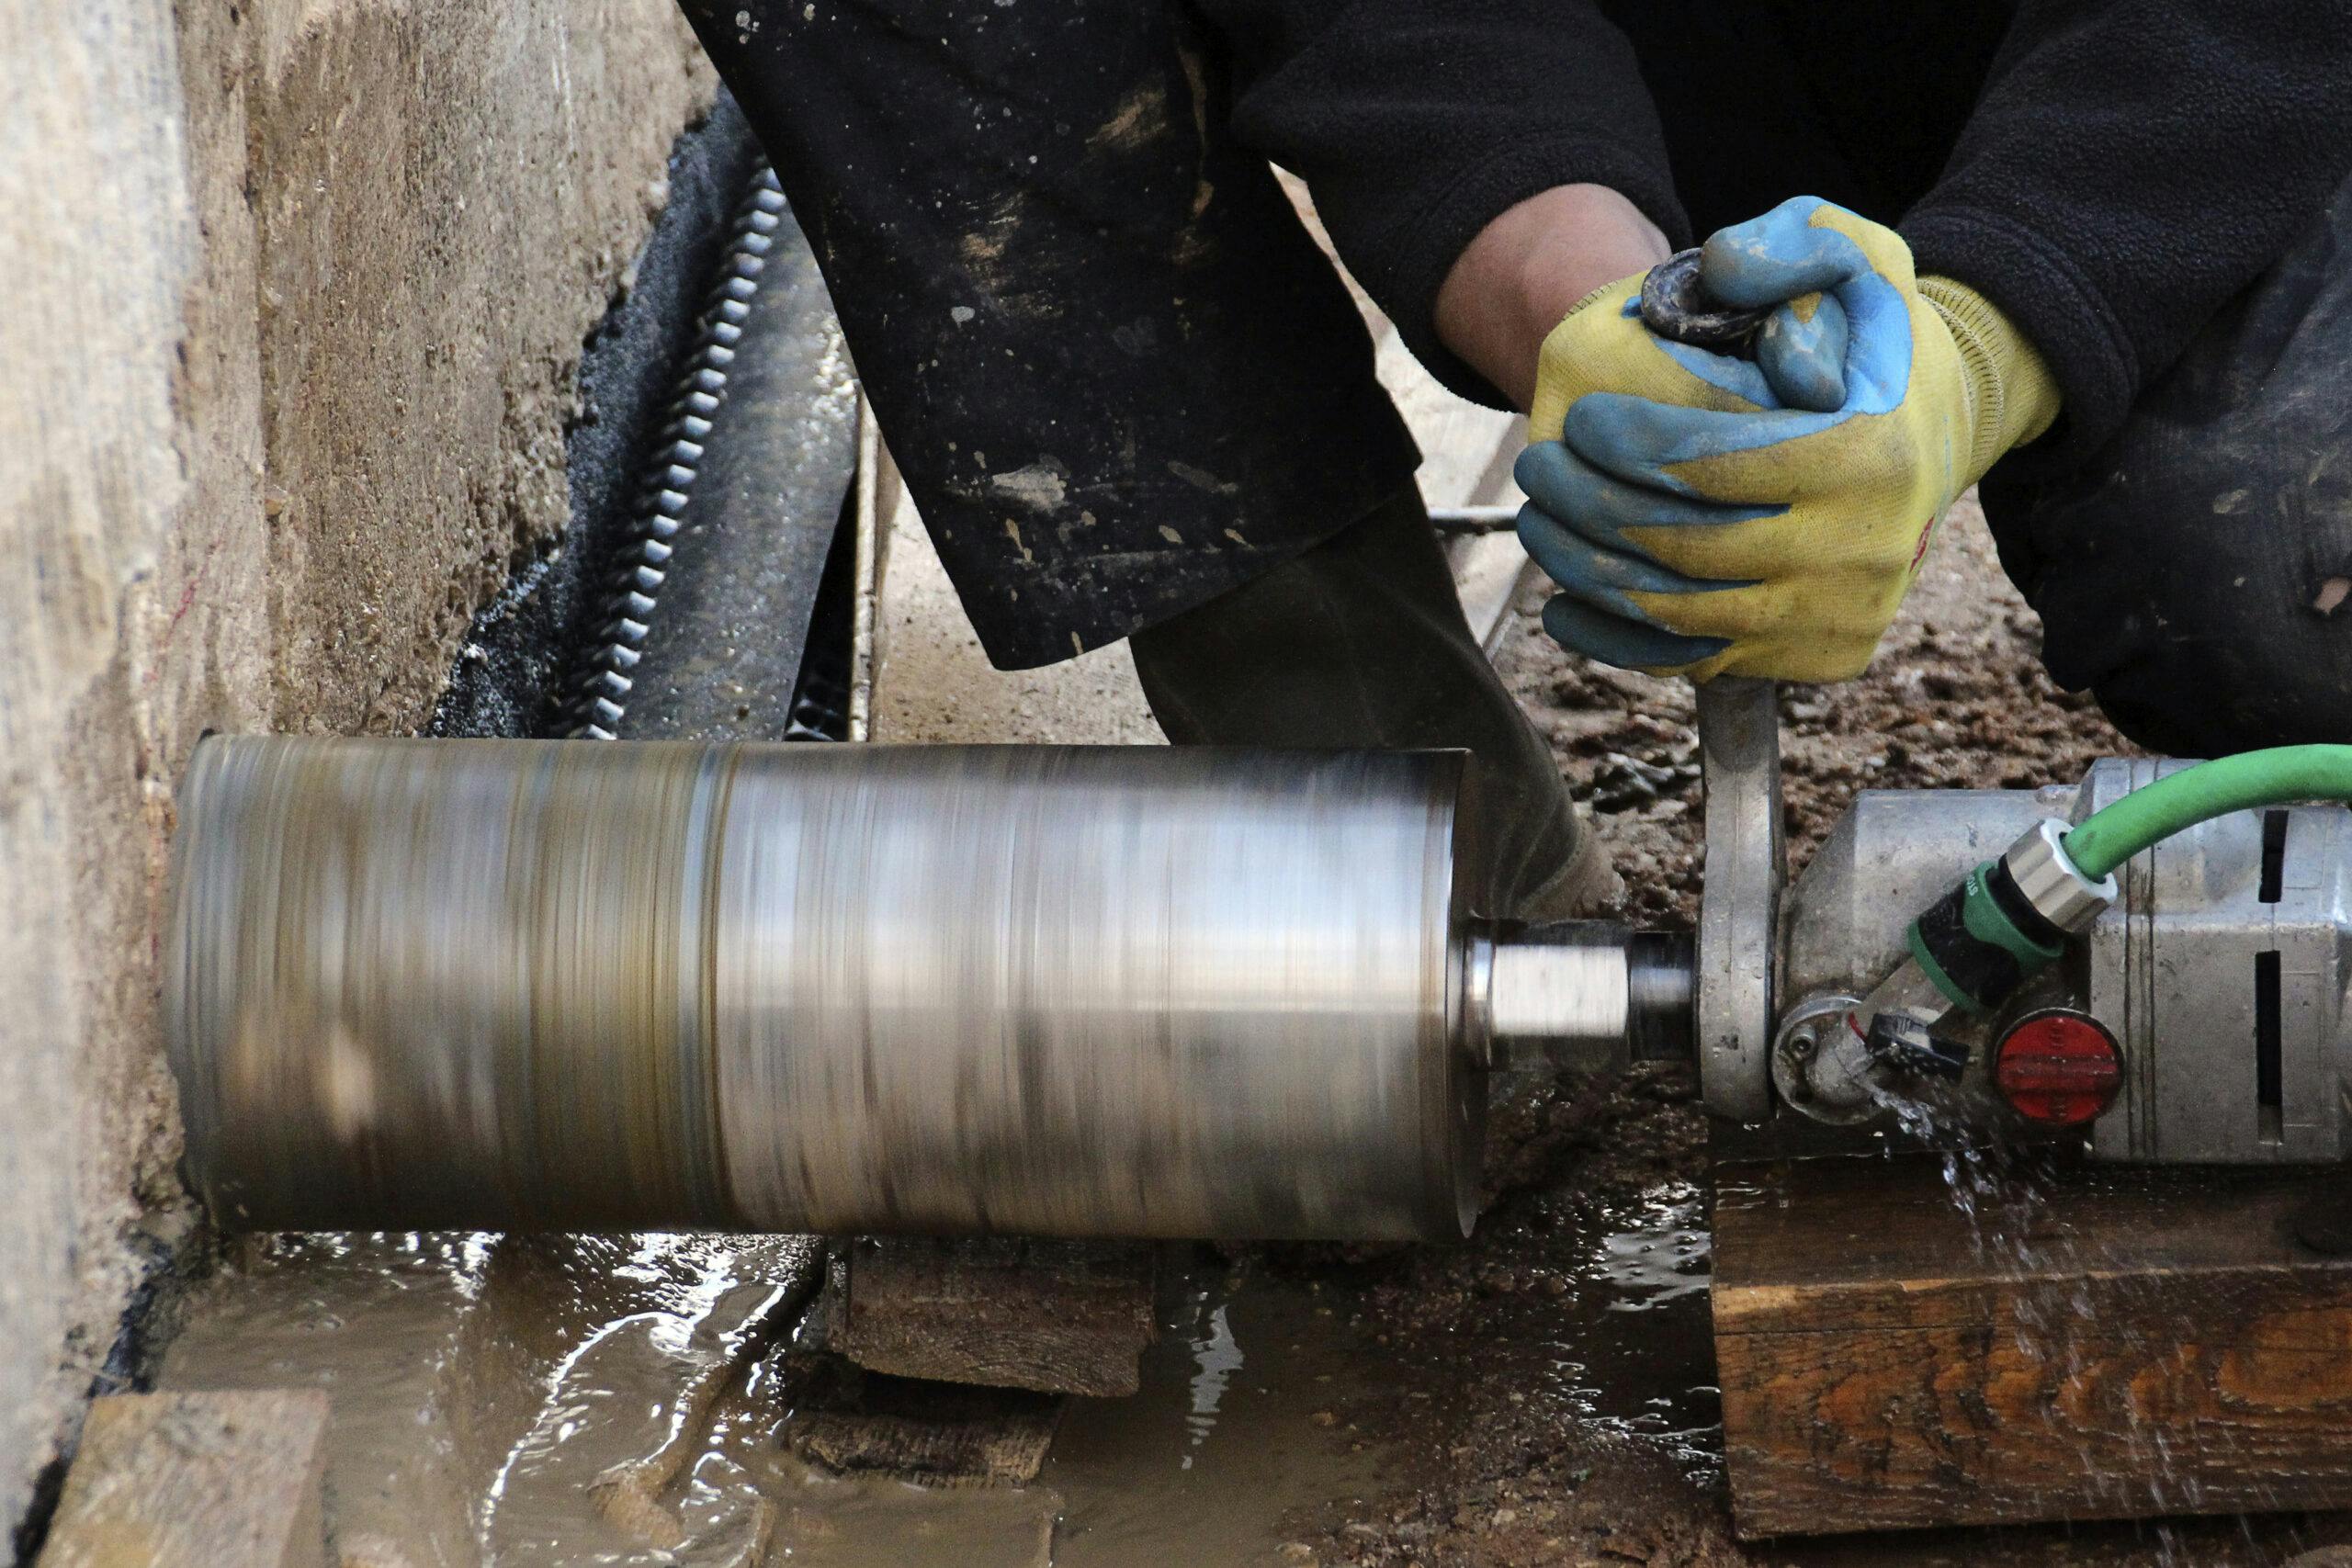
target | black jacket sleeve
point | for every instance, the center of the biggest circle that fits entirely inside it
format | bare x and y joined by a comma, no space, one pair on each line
2130,167
1415,124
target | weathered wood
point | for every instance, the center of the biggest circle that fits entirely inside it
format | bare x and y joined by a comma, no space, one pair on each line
196,1481
2088,1345
846,1419
969,1437
1059,1317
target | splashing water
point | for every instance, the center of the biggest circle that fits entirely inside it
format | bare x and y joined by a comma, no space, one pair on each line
1216,1357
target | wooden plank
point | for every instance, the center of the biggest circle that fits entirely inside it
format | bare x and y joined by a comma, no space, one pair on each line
1059,1317
931,1437
196,1481
2095,1344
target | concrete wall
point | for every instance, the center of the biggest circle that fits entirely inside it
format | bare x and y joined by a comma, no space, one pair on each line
290,297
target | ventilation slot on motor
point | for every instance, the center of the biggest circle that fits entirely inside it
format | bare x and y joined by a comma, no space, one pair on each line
2274,855
2269,1072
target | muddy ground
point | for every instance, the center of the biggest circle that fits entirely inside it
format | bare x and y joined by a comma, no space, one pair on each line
1536,1430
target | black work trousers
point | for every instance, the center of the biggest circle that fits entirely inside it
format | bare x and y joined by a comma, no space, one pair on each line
1118,375
2195,574
1360,641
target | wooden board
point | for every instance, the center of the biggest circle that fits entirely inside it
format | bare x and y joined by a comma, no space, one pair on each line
974,1437
846,1418
196,1481
2096,1345
1057,1316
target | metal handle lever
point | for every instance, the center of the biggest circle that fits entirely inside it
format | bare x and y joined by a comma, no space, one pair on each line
1675,305
1740,745
1739,755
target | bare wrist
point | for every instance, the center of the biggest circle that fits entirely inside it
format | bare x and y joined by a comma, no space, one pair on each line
1528,268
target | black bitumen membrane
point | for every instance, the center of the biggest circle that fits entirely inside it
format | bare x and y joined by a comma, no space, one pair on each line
522,647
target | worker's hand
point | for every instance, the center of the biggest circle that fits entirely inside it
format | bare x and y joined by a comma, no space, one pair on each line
1707,516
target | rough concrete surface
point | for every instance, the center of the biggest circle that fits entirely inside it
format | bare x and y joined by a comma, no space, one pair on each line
294,291
167,1479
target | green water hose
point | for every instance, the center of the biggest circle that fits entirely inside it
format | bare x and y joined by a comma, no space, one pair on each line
2114,834
2010,917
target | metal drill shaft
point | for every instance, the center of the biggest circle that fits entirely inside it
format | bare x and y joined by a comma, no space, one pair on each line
1583,994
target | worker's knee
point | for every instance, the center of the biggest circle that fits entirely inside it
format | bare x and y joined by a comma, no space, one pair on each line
2205,600
1359,641
2241,661
2194,573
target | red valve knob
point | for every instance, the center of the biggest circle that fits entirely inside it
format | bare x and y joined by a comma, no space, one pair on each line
2059,1068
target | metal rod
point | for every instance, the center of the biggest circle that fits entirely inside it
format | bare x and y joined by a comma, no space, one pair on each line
1474,519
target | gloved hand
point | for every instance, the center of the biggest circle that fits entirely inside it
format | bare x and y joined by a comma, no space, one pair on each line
1705,515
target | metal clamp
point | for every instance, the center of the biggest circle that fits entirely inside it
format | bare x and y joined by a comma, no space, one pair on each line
2046,875
1739,744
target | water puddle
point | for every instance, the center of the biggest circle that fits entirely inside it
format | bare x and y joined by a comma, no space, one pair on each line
1216,1356
1257,1401
1271,1399
1640,1361
510,1399
535,1401
528,1402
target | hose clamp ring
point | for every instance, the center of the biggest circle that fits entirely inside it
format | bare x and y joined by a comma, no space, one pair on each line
2050,880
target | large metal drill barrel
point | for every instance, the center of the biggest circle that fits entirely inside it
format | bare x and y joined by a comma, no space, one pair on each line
1131,991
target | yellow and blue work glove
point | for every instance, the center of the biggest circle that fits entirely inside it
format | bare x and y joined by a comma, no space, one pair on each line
1706,514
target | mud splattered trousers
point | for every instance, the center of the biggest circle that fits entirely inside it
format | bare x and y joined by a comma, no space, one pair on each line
1130,396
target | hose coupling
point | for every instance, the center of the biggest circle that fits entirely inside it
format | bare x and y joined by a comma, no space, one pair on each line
2007,919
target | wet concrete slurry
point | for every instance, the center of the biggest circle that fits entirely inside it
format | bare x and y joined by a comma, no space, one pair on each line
1275,1410
625,1400
1254,1403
